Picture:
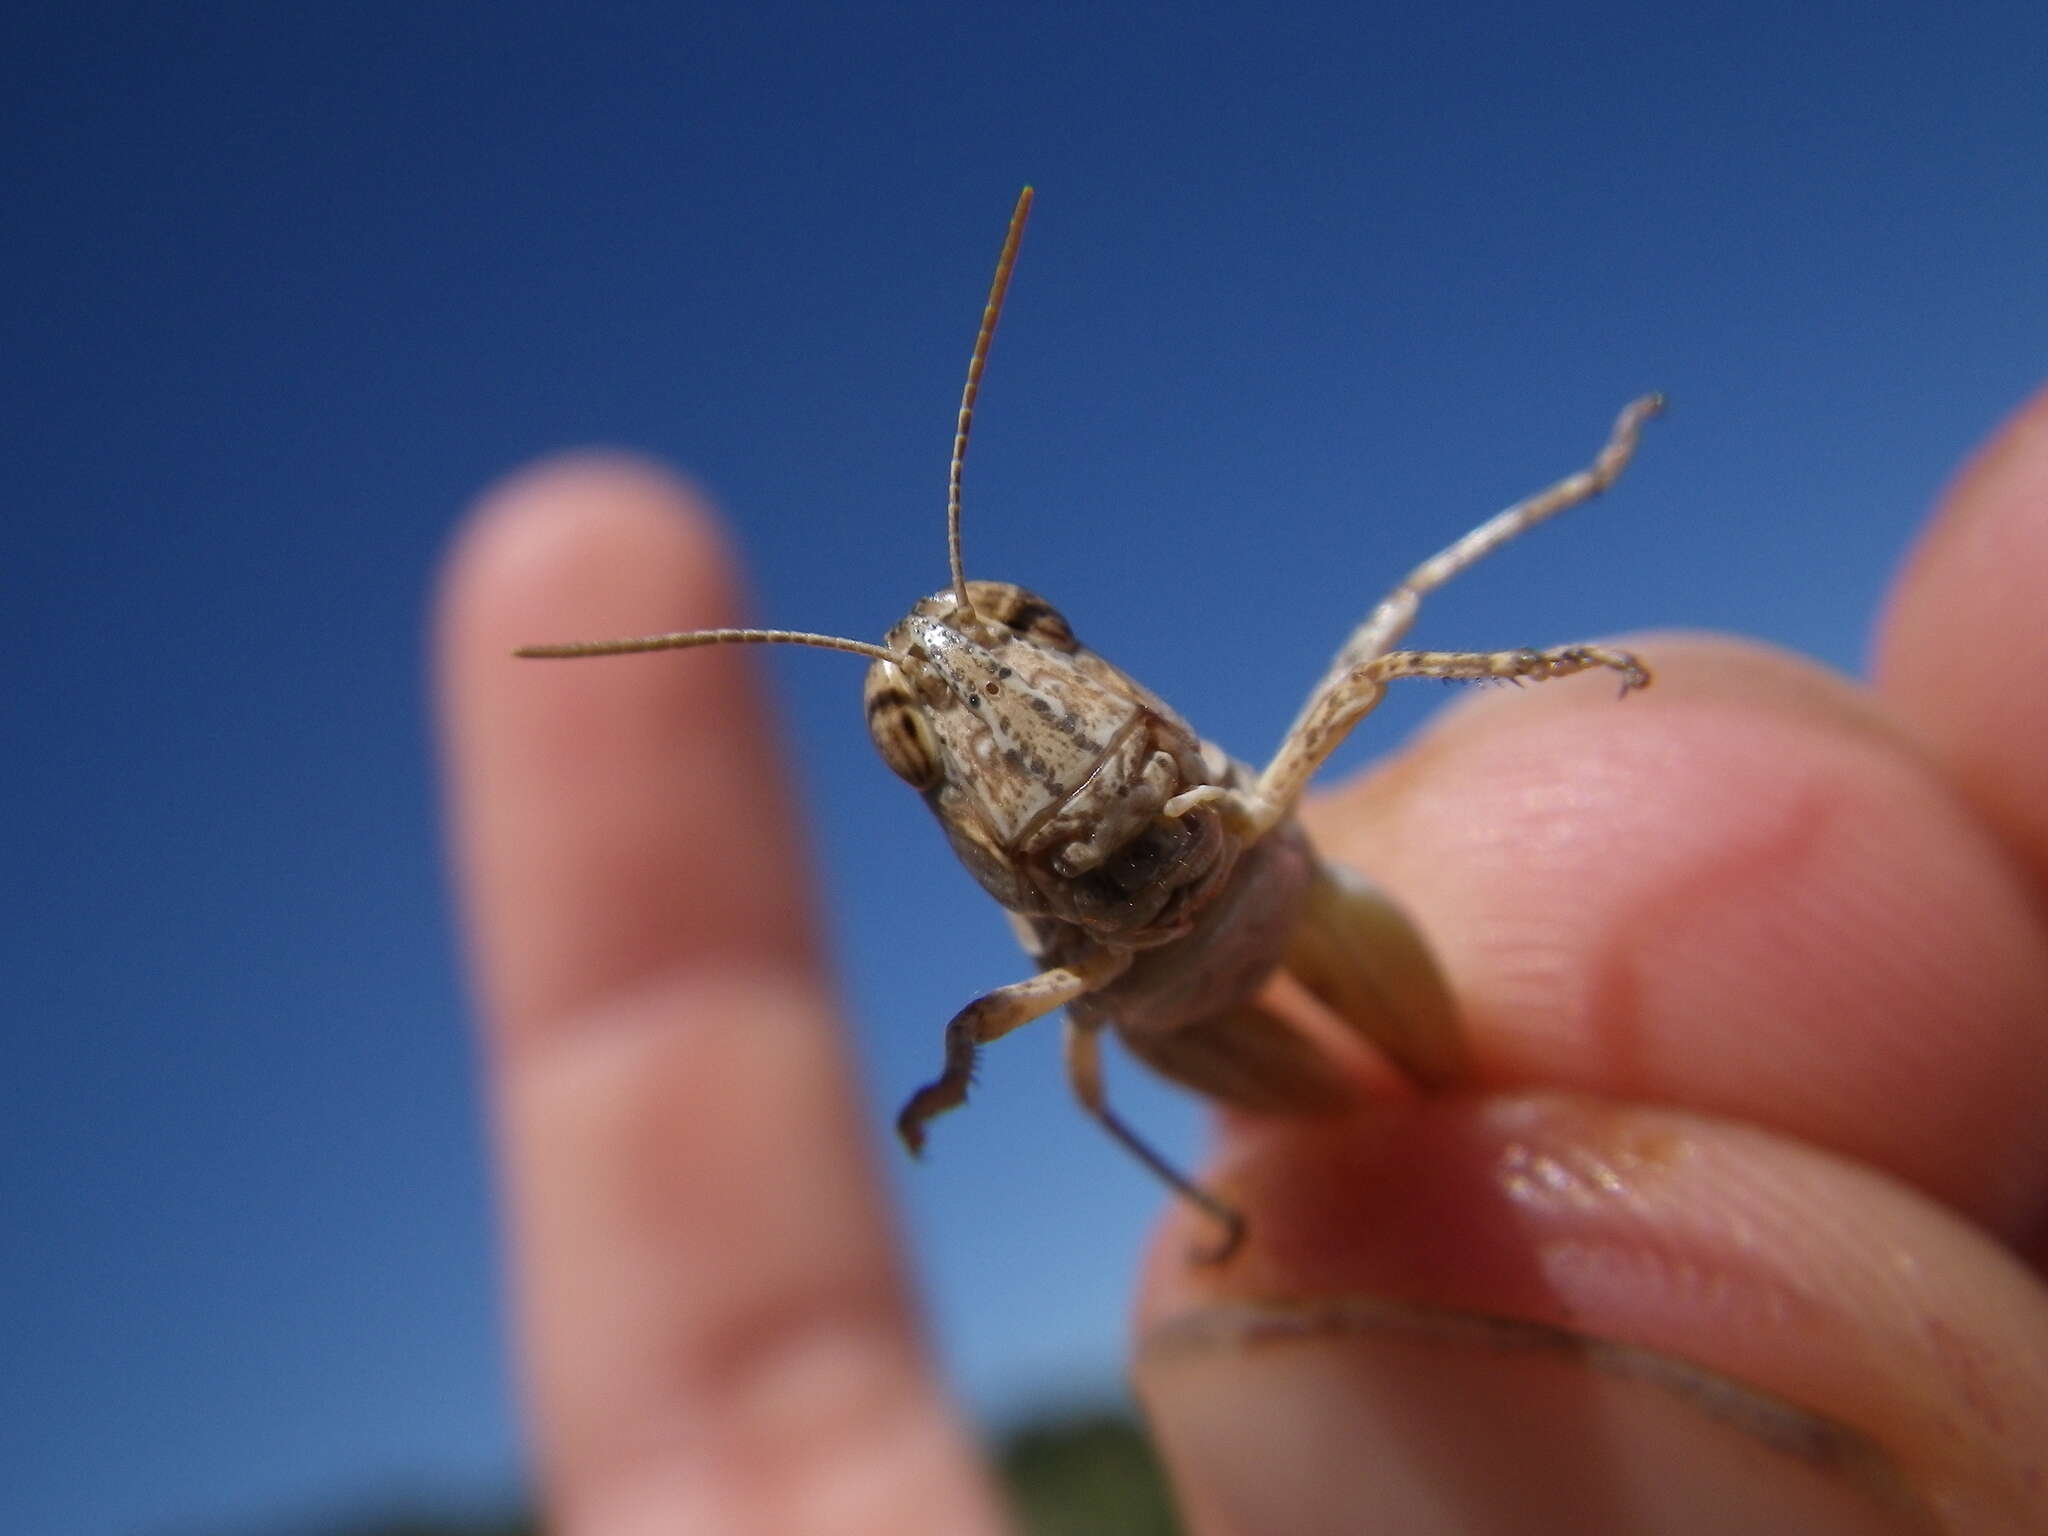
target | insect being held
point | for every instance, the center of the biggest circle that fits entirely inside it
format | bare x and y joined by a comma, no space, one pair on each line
1157,882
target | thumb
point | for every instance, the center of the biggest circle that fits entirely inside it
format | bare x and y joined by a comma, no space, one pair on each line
1544,1313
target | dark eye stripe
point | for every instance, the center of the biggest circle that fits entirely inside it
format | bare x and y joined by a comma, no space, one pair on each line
1026,613
890,697
1008,604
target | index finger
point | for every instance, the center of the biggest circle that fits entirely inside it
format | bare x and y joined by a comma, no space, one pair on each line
715,1328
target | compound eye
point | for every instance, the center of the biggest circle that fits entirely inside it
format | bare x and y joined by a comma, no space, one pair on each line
1045,625
900,730
1024,614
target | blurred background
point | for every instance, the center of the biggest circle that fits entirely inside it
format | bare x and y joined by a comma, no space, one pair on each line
1306,295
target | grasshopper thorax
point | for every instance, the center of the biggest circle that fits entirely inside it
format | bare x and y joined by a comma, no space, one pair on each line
1048,767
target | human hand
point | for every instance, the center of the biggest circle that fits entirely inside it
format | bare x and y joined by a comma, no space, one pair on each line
1739,1229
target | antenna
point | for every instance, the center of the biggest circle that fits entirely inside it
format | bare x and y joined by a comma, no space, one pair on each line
694,637
686,639
989,315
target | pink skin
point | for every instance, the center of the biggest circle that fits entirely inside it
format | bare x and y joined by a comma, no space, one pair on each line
1738,1229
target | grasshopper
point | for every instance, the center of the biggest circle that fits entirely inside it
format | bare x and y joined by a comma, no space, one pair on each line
1157,882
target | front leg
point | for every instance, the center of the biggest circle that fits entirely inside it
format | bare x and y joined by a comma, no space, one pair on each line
1350,696
994,1015
1388,622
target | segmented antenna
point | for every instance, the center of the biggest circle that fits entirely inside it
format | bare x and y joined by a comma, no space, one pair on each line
685,639
989,315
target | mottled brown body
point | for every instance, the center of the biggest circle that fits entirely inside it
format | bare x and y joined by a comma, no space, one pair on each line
1157,883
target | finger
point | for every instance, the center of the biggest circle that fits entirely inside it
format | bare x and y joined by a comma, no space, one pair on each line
1544,1312
1741,892
1964,645
716,1332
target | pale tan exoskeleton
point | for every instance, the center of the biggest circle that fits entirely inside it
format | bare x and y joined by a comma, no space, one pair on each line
1157,882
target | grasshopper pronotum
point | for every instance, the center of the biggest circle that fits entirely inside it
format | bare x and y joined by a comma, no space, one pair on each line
1157,882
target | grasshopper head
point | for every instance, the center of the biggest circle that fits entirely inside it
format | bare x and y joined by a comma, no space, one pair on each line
1045,764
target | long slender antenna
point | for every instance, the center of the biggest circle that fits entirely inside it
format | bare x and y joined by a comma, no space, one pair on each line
989,315
693,637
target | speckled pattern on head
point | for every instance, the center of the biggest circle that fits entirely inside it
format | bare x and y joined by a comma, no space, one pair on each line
1048,767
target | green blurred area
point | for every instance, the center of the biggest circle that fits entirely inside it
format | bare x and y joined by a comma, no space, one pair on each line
1080,1473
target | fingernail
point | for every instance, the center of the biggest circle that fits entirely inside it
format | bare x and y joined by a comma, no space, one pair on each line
1355,1414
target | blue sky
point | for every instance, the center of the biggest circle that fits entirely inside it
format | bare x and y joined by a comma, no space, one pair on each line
1305,295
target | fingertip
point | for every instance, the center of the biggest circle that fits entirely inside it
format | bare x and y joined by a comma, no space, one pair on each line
573,539
1572,727
1964,634
1975,540
612,816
